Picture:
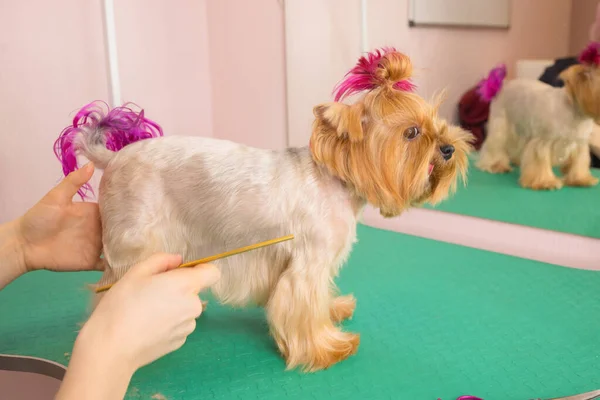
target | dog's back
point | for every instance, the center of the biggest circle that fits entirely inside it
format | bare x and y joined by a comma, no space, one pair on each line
533,108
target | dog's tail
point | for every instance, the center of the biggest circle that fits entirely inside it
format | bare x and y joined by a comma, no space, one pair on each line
489,87
98,133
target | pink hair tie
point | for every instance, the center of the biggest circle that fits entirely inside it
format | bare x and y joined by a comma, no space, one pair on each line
404,85
363,76
591,54
489,87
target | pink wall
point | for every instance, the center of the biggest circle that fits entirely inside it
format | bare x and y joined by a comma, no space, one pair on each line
318,57
51,63
247,71
163,62
583,13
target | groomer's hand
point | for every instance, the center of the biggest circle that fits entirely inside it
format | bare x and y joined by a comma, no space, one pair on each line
150,311
145,315
59,234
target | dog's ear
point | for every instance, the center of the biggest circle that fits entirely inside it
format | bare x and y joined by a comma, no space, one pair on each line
346,120
582,83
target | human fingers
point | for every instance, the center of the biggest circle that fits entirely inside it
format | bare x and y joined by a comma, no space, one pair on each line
181,333
185,328
199,277
68,187
155,264
196,307
99,265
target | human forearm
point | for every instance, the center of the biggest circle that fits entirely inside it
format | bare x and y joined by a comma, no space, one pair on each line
12,260
95,372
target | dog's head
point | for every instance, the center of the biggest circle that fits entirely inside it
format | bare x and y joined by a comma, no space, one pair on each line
582,81
389,146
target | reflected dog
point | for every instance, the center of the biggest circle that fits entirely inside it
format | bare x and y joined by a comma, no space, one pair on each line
538,127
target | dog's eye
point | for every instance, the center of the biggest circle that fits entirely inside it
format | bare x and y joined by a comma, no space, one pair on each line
412,132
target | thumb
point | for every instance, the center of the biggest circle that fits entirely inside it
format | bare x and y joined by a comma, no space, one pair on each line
69,186
156,264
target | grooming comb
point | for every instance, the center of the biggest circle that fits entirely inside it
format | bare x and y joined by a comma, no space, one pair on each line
220,256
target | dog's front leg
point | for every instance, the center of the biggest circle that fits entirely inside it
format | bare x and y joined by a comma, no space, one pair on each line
299,313
536,167
577,168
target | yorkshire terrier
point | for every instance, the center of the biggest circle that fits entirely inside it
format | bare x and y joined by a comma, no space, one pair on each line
199,196
537,127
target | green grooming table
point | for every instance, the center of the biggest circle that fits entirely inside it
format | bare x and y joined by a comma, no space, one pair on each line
436,321
499,197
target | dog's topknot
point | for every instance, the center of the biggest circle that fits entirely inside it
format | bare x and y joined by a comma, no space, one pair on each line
382,67
394,67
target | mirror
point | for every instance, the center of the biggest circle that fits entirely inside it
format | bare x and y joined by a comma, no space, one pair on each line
454,45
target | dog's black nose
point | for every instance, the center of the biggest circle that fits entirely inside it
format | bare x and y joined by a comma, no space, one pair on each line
447,151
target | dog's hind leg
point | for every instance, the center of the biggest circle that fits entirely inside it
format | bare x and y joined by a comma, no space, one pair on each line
577,168
128,247
536,167
493,156
301,322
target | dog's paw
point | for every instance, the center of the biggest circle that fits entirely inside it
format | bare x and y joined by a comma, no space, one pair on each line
342,308
541,184
584,181
332,350
320,351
